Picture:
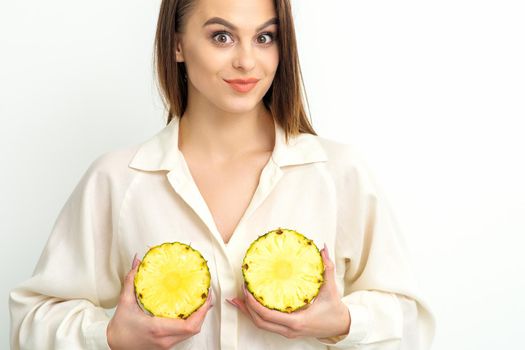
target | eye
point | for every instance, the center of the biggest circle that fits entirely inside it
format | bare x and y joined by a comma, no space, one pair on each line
221,38
266,38
224,38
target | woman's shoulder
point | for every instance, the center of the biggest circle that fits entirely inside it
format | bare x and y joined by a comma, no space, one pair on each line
112,167
115,160
341,154
347,164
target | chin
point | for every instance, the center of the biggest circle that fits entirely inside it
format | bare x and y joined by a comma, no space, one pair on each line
239,106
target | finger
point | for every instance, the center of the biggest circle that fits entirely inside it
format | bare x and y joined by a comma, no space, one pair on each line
263,312
328,286
328,264
127,296
128,291
263,324
135,262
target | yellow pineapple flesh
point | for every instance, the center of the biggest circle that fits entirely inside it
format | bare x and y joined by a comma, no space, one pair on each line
172,280
283,270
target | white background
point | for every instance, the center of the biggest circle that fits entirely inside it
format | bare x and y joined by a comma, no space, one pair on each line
431,92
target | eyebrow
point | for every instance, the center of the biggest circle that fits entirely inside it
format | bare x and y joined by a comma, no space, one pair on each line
218,20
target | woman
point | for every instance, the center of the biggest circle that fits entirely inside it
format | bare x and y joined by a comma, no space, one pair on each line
237,159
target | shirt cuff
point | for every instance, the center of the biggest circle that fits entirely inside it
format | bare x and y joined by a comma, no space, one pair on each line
96,336
359,322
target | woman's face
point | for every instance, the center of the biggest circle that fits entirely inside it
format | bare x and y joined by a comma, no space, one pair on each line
225,40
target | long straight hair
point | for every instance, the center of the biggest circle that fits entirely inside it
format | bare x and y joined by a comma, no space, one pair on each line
284,98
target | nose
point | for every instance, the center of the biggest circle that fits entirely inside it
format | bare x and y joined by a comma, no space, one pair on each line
244,57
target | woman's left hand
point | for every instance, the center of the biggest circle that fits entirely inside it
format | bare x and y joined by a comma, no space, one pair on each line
327,316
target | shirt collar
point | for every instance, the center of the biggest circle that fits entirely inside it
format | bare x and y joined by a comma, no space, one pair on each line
161,152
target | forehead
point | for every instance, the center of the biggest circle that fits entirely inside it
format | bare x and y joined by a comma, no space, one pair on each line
246,14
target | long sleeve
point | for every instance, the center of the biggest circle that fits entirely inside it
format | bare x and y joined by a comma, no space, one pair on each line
62,305
379,288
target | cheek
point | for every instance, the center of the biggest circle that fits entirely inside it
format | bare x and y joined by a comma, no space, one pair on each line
271,60
200,67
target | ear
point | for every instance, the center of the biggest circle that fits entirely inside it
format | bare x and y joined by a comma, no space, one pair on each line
179,56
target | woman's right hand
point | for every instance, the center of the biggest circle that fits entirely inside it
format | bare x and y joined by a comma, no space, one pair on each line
131,328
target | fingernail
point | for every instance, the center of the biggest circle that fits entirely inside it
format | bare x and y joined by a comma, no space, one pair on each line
326,251
135,261
231,302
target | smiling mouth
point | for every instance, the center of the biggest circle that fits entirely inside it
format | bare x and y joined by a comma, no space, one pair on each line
242,85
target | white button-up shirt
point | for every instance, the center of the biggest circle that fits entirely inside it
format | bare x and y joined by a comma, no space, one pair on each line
134,198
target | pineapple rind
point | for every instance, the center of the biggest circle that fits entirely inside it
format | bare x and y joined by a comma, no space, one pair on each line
183,301
298,289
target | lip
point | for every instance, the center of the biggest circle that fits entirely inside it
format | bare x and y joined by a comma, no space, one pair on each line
242,81
242,85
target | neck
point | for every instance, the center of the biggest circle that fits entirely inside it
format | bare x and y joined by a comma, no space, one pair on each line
218,136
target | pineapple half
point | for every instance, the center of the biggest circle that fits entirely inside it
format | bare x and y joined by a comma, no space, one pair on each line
172,280
283,270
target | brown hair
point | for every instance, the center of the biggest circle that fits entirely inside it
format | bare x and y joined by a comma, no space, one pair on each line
284,98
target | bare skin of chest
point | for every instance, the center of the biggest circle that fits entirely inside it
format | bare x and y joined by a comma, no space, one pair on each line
228,187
